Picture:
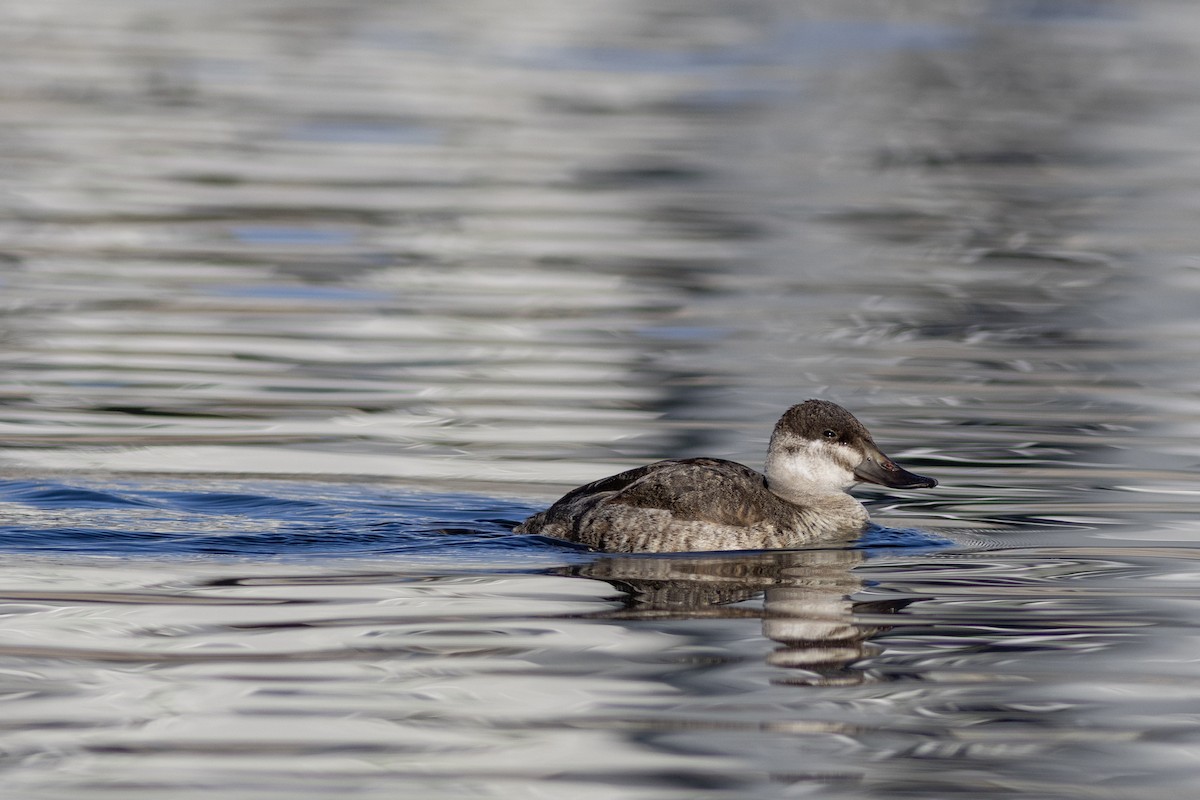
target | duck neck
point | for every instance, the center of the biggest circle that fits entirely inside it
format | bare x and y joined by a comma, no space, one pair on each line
788,480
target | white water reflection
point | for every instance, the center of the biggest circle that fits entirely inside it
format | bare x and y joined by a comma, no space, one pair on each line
934,671
404,252
416,227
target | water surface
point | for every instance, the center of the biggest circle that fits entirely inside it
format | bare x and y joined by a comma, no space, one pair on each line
303,305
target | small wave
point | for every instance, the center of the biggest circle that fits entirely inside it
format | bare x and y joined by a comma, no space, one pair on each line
282,520
56,496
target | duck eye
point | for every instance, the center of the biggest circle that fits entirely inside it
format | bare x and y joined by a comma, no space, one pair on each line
830,434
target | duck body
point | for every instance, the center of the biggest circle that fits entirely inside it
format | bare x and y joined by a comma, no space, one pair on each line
690,505
817,451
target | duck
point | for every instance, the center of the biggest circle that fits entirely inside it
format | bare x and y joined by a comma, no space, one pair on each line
817,452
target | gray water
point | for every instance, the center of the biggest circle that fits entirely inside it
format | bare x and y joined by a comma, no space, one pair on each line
305,304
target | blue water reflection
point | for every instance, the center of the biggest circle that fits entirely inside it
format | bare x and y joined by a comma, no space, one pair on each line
282,520
789,42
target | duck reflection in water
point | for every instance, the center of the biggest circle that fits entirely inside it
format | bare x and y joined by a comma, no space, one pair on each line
818,450
807,605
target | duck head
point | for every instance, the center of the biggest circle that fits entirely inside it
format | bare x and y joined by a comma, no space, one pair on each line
819,447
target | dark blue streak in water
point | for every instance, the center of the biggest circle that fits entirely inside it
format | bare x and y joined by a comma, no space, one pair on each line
291,520
55,496
880,540
59,518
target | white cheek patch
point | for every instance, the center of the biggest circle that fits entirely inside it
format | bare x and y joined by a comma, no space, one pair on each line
835,464
820,466
851,457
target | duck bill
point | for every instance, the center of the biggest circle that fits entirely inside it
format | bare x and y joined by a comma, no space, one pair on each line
878,468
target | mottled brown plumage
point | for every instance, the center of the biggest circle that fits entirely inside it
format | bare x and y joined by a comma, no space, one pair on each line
817,451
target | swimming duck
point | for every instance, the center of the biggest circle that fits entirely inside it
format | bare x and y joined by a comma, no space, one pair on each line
818,450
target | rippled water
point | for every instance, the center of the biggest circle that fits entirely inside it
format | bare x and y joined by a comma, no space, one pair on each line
303,305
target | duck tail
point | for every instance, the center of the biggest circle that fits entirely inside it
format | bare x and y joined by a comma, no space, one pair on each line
533,524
